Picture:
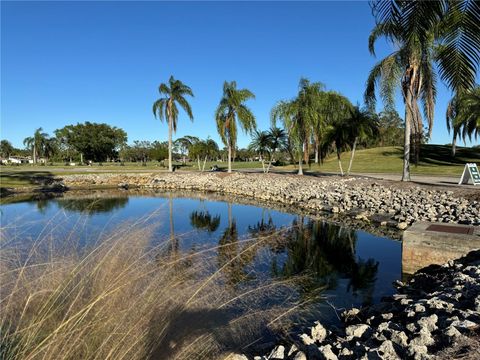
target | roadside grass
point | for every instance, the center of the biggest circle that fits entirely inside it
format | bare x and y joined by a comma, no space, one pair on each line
124,299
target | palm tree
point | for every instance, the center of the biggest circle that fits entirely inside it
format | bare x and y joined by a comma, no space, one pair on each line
463,115
363,126
335,110
417,28
298,115
231,109
261,144
411,68
278,141
36,143
166,108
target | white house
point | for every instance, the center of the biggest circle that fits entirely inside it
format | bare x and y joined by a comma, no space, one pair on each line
16,160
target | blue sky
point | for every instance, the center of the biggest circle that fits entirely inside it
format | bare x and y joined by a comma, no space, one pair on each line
69,62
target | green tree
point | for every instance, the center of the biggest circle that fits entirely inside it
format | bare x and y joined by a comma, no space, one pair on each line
96,142
463,115
362,126
207,149
298,115
6,148
166,108
278,142
159,151
423,32
36,143
261,144
231,109
391,129
184,143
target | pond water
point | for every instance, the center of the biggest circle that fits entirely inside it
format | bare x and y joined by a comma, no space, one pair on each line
348,267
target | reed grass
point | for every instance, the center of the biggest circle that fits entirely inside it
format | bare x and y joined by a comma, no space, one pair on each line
123,298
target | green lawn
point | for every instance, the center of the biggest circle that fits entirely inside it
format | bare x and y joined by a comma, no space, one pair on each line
435,160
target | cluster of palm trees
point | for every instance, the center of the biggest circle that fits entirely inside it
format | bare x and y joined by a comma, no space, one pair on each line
314,118
267,143
324,120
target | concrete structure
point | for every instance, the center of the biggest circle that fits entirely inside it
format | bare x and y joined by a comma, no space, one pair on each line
426,243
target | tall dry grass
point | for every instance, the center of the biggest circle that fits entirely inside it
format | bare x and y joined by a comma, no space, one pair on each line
124,299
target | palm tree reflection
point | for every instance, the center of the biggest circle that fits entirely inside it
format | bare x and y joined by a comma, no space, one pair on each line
202,220
326,253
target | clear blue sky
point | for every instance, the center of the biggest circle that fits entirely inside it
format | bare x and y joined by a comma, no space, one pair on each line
69,62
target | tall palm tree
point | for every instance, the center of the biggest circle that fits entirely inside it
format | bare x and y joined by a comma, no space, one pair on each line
410,68
298,115
36,143
166,108
417,28
231,109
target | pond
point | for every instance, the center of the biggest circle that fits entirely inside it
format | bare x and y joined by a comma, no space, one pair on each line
342,266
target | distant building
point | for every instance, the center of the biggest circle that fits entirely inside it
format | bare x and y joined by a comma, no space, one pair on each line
16,160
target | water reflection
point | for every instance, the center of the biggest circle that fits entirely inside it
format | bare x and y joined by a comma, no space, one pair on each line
249,244
326,252
86,205
203,220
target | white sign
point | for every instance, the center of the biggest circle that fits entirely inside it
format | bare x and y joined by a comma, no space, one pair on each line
470,171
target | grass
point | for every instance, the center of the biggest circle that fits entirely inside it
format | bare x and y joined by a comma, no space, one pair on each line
434,160
124,299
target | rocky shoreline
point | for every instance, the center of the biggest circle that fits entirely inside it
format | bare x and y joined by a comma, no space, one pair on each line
429,316
382,203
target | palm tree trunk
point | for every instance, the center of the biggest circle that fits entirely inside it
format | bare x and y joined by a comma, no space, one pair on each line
300,160
170,128
306,153
339,162
352,155
316,152
229,157
204,163
454,142
406,145
198,159
34,153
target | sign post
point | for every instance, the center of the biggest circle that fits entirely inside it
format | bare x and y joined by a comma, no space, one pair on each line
470,171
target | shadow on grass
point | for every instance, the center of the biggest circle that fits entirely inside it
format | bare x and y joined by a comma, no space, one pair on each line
42,181
26,177
435,155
